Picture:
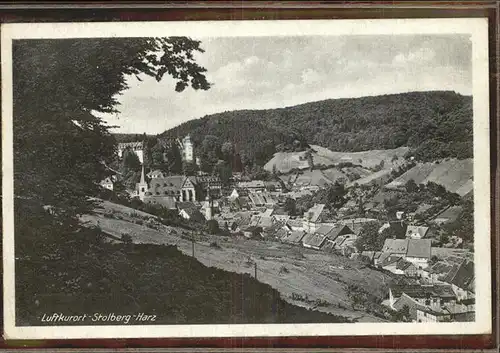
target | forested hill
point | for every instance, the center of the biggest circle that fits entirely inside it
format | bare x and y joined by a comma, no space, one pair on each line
435,124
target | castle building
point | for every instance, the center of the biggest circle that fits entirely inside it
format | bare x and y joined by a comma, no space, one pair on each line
187,149
137,147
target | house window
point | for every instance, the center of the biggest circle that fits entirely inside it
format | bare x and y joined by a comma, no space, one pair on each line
427,302
142,189
157,193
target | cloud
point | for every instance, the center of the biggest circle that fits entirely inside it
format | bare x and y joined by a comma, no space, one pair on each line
421,55
310,76
268,72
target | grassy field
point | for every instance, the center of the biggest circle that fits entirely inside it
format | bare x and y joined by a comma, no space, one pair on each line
304,277
286,161
455,175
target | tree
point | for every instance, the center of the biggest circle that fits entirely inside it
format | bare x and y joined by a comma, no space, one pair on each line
212,226
369,238
411,186
224,172
130,161
174,158
227,150
59,86
290,206
189,168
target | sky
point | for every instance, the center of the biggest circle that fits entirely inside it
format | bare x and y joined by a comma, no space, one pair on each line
274,72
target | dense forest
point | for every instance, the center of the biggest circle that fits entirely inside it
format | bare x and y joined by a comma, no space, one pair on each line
433,124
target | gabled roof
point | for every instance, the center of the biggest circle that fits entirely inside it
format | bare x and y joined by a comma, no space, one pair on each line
156,174
135,144
294,223
389,260
268,213
251,184
328,245
395,246
440,267
313,214
314,240
403,265
295,237
193,214
107,180
419,248
339,229
412,305
423,291
281,233
461,275
186,206
324,229
172,181
419,231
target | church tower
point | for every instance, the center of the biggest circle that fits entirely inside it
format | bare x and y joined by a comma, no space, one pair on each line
142,187
209,208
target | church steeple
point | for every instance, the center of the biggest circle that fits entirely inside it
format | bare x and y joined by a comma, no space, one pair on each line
142,186
143,179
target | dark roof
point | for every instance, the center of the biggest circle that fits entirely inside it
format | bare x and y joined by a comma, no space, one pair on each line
314,240
324,229
403,265
461,275
419,248
328,245
194,214
423,291
398,227
186,205
281,233
405,300
389,260
440,267
295,237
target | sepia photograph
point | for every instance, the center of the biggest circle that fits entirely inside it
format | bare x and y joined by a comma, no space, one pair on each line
246,178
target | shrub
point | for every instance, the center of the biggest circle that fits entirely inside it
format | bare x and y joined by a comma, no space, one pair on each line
126,238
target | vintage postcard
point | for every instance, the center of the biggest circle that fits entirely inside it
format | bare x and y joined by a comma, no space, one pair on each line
246,178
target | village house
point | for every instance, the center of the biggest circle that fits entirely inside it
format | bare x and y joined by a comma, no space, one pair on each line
108,183
435,295
189,211
209,184
252,232
294,237
400,266
436,272
295,224
417,251
238,192
416,232
332,233
461,279
252,186
313,218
